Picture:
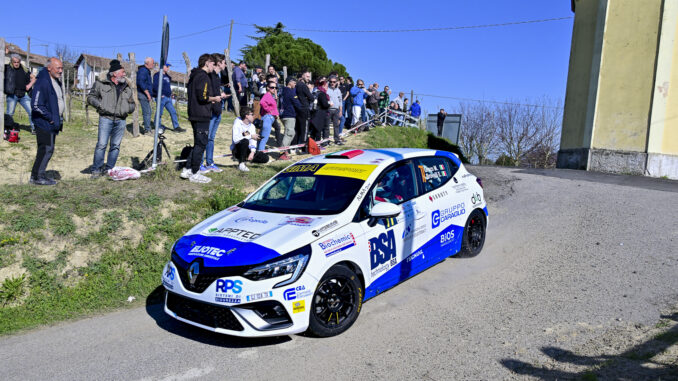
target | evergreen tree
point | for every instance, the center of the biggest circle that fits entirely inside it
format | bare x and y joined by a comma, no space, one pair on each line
285,50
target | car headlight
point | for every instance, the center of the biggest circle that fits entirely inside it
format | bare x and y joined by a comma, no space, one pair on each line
293,263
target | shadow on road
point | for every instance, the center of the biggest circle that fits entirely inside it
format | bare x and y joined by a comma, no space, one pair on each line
637,363
651,183
155,309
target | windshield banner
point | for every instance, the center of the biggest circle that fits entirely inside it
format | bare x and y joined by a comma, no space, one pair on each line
355,171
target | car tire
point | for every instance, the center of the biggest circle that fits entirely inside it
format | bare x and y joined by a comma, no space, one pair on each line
336,302
473,238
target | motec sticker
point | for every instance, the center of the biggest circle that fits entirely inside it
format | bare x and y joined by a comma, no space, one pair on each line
356,171
382,252
303,168
298,306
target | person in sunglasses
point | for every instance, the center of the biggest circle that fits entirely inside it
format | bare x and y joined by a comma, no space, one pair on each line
269,112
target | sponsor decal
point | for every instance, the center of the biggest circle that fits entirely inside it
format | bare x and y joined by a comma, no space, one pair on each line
446,238
382,252
460,188
455,180
432,173
363,191
476,199
167,284
169,274
324,228
259,296
311,168
298,292
437,196
226,291
465,175
356,171
210,252
250,219
411,232
442,215
236,234
337,244
298,306
233,209
377,161
418,253
297,221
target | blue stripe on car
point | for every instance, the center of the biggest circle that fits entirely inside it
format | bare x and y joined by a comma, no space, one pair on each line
421,259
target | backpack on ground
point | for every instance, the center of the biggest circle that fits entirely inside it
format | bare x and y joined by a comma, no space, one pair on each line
13,136
260,158
312,147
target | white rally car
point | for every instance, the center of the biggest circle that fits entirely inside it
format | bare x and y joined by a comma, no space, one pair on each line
306,249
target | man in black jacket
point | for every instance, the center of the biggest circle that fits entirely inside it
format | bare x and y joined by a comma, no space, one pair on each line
305,100
17,84
200,102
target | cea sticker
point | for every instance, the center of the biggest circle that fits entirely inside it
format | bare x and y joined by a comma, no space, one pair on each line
298,306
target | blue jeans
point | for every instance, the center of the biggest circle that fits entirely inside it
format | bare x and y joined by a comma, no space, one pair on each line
108,130
25,101
166,103
209,149
265,131
145,110
369,113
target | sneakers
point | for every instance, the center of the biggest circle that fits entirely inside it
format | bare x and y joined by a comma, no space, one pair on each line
186,173
214,168
284,156
96,174
198,178
243,167
42,181
204,169
179,129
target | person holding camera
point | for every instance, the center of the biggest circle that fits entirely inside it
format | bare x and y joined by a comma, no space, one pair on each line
245,138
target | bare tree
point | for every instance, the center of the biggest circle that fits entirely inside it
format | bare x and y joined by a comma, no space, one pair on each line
66,54
478,137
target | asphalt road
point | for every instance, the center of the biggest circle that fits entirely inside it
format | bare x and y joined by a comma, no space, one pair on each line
569,256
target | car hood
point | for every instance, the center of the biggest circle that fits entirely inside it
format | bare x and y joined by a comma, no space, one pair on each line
241,237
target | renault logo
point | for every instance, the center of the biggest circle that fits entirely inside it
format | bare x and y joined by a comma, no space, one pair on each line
193,272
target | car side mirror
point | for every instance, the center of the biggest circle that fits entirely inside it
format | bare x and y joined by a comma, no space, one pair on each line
383,210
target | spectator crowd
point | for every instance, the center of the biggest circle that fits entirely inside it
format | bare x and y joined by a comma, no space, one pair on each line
274,112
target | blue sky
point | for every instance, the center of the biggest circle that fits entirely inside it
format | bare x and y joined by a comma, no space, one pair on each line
506,63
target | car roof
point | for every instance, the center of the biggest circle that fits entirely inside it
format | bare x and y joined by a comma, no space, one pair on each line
381,157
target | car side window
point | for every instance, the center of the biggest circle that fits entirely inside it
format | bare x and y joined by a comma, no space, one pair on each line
434,172
396,185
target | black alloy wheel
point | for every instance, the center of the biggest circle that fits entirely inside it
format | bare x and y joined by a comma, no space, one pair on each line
474,235
336,302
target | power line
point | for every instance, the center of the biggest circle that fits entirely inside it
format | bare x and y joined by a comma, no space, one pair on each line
422,29
486,101
319,31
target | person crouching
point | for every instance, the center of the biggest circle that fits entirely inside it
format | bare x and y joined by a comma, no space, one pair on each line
244,138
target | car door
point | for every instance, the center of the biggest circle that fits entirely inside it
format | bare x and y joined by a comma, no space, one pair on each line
444,205
386,246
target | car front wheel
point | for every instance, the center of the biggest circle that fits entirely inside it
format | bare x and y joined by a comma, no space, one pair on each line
336,303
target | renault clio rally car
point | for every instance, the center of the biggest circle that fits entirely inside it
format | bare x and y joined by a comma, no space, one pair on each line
306,249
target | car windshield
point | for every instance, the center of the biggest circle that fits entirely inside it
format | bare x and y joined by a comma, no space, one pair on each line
316,189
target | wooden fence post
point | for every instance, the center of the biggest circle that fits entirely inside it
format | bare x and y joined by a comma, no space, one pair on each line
188,73
234,91
268,62
67,113
2,83
28,55
84,91
284,75
68,87
133,79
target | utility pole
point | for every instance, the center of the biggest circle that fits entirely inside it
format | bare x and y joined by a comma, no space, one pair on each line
2,82
229,70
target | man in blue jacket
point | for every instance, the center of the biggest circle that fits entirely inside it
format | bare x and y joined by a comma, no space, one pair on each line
47,107
415,110
166,99
358,95
144,91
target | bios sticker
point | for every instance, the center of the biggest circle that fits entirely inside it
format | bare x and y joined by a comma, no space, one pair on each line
298,306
